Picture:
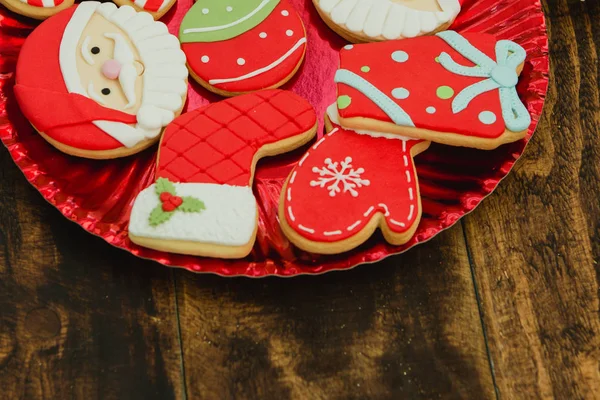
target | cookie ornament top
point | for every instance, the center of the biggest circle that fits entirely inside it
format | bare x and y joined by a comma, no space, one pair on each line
157,8
38,9
99,81
240,46
377,20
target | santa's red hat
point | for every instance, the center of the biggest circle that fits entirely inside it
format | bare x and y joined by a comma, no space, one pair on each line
49,91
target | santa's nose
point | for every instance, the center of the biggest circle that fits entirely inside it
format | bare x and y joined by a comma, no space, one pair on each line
111,69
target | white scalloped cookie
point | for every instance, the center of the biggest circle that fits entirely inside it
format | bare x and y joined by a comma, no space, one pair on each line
361,21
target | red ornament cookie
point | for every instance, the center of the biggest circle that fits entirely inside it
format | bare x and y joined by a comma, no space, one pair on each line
447,88
202,203
38,9
240,46
348,184
99,81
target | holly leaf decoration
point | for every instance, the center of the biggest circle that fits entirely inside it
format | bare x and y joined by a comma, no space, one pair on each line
164,185
159,216
191,204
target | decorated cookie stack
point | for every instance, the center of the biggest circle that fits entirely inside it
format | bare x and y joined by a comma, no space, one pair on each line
394,98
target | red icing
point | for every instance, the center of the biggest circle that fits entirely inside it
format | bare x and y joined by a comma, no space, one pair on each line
170,202
421,75
153,5
217,143
316,215
42,95
257,53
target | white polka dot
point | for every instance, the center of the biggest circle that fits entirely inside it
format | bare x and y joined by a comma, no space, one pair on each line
400,93
204,59
262,35
289,32
229,9
285,13
205,11
241,61
430,110
399,56
487,117
348,47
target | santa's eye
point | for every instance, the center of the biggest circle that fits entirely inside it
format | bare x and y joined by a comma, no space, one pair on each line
105,91
95,50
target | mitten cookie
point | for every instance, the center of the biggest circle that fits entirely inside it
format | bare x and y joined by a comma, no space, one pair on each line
240,46
202,202
99,81
38,9
375,20
156,8
448,88
349,184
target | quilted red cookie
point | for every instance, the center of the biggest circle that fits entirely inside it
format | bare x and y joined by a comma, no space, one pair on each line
156,8
240,46
202,202
38,9
447,88
99,81
348,184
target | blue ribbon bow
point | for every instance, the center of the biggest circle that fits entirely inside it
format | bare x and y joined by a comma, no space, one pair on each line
501,75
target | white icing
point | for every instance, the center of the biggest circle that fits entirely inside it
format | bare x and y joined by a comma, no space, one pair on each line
386,18
45,3
400,93
285,13
229,8
205,59
430,110
161,56
229,25
487,117
348,47
241,61
332,113
339,177
205,11
229,217
142,3
85,51
399,56
289,32
262,35
261,70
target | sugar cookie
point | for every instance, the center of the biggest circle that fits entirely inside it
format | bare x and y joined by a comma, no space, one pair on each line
99,81
361,21
38,9
348,184
240,46
452,89
156,8
202,202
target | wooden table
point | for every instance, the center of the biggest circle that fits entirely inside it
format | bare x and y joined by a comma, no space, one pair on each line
503,305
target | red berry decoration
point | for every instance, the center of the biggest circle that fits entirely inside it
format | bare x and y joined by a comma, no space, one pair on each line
170,202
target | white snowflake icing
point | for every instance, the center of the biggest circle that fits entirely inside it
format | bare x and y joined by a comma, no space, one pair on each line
334,174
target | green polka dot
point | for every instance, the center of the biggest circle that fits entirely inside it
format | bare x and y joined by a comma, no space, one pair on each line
437,59
366,68
444,92
343,101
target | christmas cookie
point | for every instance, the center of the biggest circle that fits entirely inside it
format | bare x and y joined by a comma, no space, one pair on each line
157,8
38,9
452,89
376,20
348,184
240,46
202,202
99,81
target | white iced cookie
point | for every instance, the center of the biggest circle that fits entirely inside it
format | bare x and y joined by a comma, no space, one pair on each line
377,20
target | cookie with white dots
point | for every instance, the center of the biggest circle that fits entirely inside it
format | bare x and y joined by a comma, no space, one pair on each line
38,9
240,46
360,21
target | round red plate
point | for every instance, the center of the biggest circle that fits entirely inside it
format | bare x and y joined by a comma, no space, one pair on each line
98,195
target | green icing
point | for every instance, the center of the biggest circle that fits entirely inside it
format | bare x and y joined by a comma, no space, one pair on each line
444,92
343,101
366,68
210,20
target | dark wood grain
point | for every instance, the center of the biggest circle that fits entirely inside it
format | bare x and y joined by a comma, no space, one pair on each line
408,327
535,243
78,318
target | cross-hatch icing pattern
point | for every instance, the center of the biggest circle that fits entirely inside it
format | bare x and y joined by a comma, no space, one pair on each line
339,177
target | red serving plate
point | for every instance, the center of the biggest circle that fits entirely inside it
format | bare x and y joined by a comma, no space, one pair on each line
98,195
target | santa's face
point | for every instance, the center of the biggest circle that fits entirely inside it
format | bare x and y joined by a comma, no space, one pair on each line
109,67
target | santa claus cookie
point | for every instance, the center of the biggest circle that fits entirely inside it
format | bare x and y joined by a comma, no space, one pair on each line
157,8
38,9
202,202
376,20
240,46
99,81
348,184
452,89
